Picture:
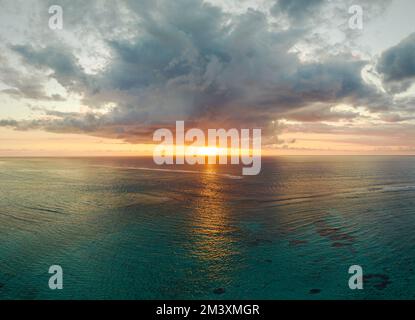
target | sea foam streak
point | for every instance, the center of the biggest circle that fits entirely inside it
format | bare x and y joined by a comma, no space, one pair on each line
398,188
226,175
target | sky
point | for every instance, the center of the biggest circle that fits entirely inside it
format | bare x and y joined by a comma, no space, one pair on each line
119,70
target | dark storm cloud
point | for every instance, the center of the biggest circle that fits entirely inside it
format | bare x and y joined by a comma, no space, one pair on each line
188,60
296,9
21,85
397,64
318,113
8,123
60,60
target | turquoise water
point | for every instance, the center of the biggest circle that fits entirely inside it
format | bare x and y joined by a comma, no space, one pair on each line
121,230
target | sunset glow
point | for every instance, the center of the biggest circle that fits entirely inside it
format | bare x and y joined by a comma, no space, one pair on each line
218,153
206,151
314,87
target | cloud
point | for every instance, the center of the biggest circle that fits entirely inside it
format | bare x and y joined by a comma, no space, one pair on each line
397,65
296,9
187,60
8,123
59,60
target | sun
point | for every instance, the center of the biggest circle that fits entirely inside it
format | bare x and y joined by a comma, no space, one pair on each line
207,151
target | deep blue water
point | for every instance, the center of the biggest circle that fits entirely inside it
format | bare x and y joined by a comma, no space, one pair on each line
120,230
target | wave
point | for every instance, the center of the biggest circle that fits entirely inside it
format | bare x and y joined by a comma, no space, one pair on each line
392,188
226,175
356,192
399,188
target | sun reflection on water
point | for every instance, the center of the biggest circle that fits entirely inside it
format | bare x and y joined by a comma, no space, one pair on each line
213,242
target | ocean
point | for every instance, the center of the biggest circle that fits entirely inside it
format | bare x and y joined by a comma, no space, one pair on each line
120,228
